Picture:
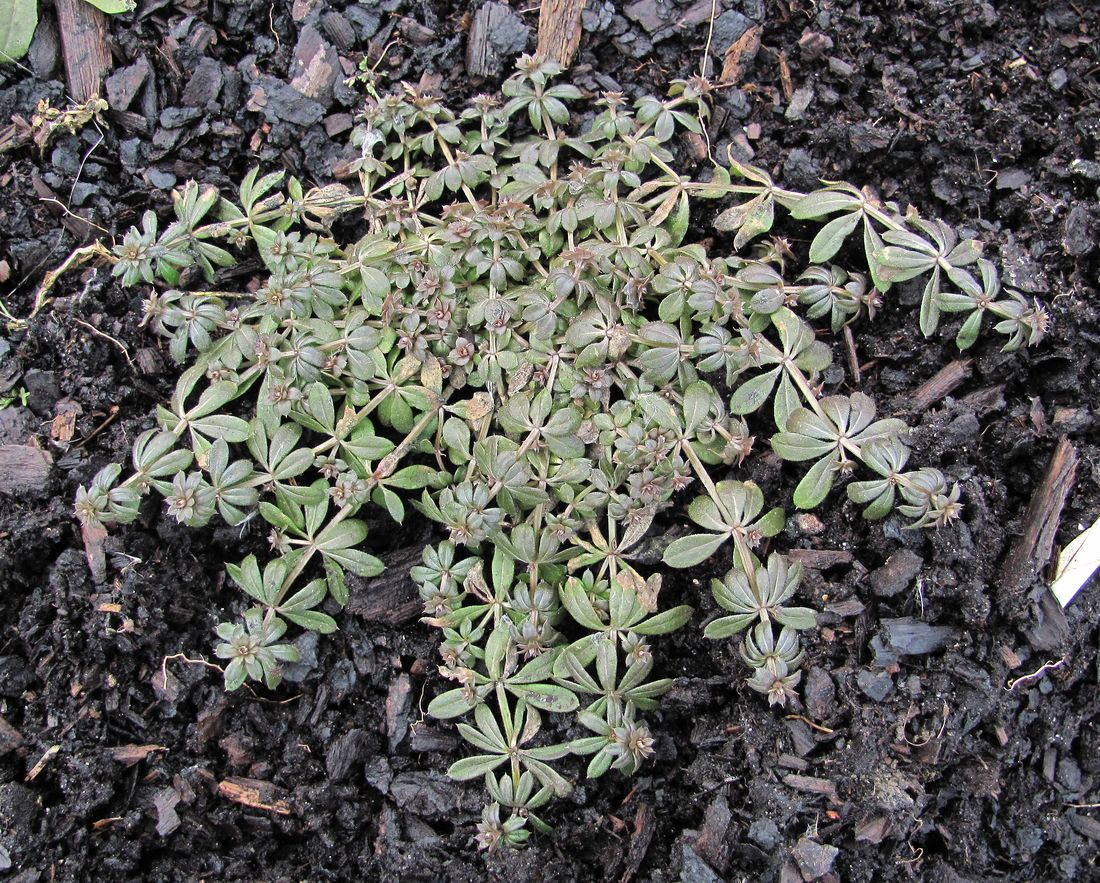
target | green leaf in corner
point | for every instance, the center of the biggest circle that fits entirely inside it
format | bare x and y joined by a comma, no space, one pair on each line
18,19
114,7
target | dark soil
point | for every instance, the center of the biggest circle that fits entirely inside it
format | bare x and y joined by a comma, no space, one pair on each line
912,758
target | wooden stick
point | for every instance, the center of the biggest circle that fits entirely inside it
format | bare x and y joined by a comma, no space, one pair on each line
559,30
819,559
84,41
1033,547
937,387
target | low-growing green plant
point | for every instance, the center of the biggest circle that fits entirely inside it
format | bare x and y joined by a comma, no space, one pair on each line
523,348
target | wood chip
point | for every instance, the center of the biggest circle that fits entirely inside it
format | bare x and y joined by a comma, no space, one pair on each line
63,425
10,737
937,387
84,41
872,830
128,755
820,559
644,826
23,468
849,607
253,793
391,598
94,536
814,786
559,30
1032,549
36,770
741,54
785,77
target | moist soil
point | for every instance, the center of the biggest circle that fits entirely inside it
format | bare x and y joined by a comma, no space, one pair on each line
919,749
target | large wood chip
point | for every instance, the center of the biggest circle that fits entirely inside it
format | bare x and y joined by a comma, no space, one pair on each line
813,785
1033,547
936,388
739,56
23,468
559,30
84,39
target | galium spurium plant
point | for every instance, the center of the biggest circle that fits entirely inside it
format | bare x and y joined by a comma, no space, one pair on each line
523,348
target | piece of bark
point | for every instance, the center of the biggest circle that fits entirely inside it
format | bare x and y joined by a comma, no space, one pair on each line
739,56
391,597
873,829
983,401
644,827
253,793
23,468
1033,547
128,755
94,536
10,737
398,706
820,559
165,802
935,388
559,30
813,785
495,32
84,41
711,844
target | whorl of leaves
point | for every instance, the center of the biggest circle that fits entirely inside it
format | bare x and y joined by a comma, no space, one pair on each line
522,347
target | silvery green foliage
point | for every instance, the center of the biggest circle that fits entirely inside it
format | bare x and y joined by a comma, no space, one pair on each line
523,348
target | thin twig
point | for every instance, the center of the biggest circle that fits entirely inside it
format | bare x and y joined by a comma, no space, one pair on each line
106,336
1038,673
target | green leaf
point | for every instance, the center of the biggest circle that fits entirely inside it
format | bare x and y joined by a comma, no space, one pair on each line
787,401
821,203
113,7
342,535
694,549
305,599
314,620
831,237
18,19
247,576
548,697
751,394
678,223
334,577
929,305
475,767
453,703
969,331
697,401
665,622
576,601
412,478
772,523
815,484
728,626
793,446
223,426
357,561
758,220
797,617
